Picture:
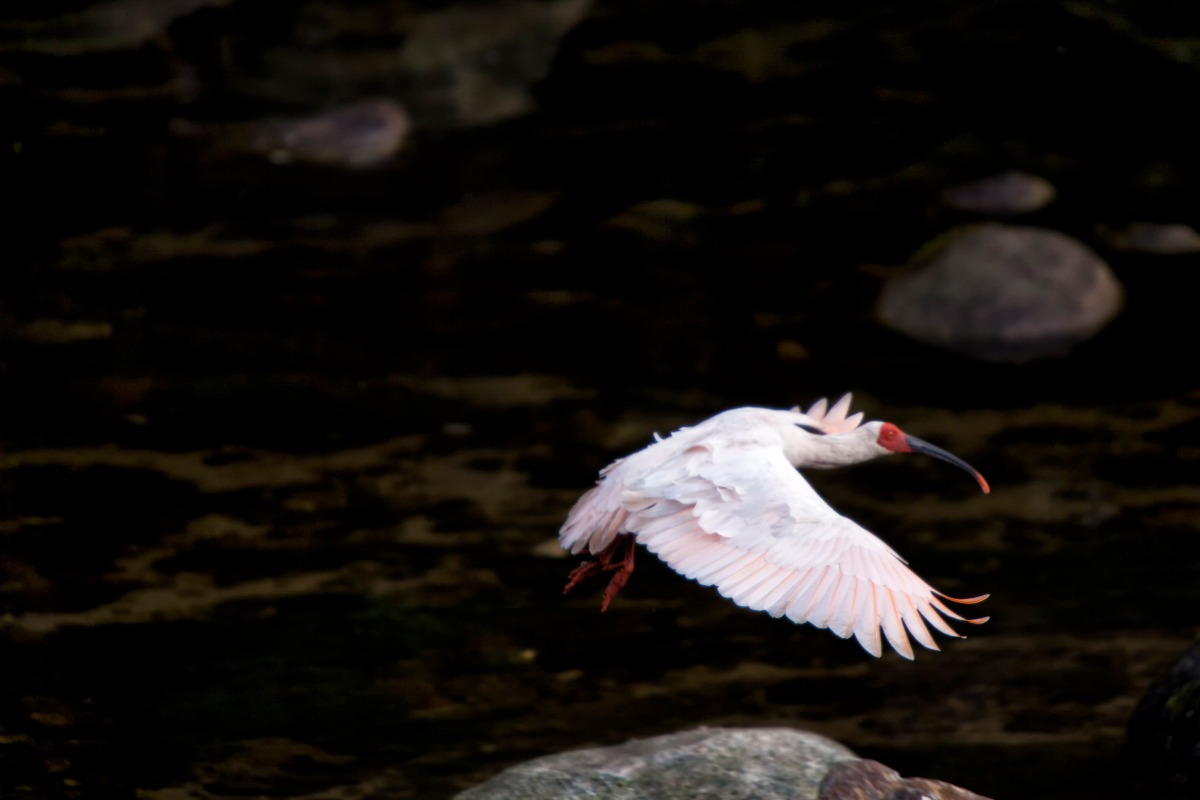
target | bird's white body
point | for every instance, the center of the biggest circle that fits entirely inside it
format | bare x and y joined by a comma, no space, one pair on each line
721,502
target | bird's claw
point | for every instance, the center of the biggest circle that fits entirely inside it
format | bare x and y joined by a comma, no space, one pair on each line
580,574
604,563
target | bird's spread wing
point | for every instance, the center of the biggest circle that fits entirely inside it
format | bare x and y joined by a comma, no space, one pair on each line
597,517
742,519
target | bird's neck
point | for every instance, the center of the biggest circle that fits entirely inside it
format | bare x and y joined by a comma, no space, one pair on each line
837,450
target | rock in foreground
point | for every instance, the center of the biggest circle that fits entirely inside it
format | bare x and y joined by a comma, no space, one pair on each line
1002,293
731,764
1163,745
863,779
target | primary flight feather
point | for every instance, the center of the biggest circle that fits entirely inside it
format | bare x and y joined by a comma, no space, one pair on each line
721,502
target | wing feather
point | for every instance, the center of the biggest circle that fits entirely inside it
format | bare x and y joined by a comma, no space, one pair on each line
743,520
756,598
827,603
713,576
728,556
914,622
868,634
891,622
933,619
802,578
842,622
704,553
732,584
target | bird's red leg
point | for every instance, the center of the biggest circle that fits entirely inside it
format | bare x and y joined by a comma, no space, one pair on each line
624,570
604,563
580,574
589,568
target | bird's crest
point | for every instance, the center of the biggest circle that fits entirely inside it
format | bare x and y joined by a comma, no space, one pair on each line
833,419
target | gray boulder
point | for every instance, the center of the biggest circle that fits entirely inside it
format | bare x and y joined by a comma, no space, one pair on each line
725,763
1002,293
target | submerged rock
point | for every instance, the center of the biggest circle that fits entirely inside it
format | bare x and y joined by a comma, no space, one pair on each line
1006,193
1150,237
1162,748
726,763
98,27
360,135
364,134
451,65
1002,293
474,64
863,779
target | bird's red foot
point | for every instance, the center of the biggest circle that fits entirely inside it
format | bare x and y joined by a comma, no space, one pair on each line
581,574
604,563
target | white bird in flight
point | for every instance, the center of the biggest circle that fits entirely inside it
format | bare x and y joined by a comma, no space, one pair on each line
721,502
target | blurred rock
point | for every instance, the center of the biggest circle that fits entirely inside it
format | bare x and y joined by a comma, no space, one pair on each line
1162,747
663,219
1151,237
1002,293
364,134
258,765
863,779
473,64
100,27
360,135
489,213
1144,25
766,52
451,67
733,764
1006,193
50,331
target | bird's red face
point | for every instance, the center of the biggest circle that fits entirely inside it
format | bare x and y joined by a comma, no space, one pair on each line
892,438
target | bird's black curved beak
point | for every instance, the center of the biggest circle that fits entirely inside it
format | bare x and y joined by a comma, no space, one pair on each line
921,446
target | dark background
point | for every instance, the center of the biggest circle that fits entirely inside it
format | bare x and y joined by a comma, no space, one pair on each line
284,446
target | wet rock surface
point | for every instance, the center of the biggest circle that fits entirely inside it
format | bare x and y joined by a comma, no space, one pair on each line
284,447
863,779
718,763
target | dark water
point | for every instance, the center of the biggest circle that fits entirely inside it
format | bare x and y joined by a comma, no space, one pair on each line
285,448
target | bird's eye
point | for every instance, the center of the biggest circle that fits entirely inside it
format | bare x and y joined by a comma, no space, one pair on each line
810,429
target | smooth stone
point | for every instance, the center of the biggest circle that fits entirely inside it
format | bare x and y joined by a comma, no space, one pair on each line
1002,293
